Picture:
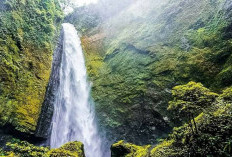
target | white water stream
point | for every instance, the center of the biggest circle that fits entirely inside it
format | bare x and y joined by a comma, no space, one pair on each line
74,117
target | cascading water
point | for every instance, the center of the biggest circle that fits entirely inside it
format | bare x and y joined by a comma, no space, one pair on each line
73,118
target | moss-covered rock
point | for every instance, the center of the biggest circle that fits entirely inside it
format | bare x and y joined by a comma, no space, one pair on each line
164,149
123,149
24,149
72,149
189,100
125,98
27,33
17,148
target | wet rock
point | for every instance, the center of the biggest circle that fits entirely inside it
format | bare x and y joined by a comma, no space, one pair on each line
44,123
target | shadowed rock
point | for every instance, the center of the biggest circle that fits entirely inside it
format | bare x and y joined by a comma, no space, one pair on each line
44,124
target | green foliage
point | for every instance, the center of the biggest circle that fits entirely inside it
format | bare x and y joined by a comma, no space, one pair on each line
225,76
227,94
192,97
214,131
214,127
164,150
27,30
24,149
2,153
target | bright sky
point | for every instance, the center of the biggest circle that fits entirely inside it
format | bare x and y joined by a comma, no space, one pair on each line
78,3
84,2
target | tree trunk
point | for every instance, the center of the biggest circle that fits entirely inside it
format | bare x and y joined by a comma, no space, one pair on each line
194,122
190,124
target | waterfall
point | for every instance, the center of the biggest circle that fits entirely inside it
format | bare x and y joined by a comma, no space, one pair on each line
74,118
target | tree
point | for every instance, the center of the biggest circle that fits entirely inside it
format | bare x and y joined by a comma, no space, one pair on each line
227,94
190,100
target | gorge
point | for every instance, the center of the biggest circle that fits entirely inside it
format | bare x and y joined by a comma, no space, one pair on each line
116,78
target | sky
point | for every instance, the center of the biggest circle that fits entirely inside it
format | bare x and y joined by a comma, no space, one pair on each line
84,2
79,3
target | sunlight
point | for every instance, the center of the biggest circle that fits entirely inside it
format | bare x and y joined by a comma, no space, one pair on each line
76,3
84,2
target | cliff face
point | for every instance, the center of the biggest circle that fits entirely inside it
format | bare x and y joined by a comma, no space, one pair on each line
44,123
135,57
27,33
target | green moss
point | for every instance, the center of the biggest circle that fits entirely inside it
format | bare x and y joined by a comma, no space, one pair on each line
163,150
108,77
72,149
25,149
191,94
126,78
154,53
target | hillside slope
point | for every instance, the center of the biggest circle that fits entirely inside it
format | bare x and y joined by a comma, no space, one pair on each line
135,57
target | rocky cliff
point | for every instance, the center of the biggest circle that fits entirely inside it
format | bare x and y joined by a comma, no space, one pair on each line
44,123
27,38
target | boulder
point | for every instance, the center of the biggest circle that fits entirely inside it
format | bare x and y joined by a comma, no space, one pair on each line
71,149
123,149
